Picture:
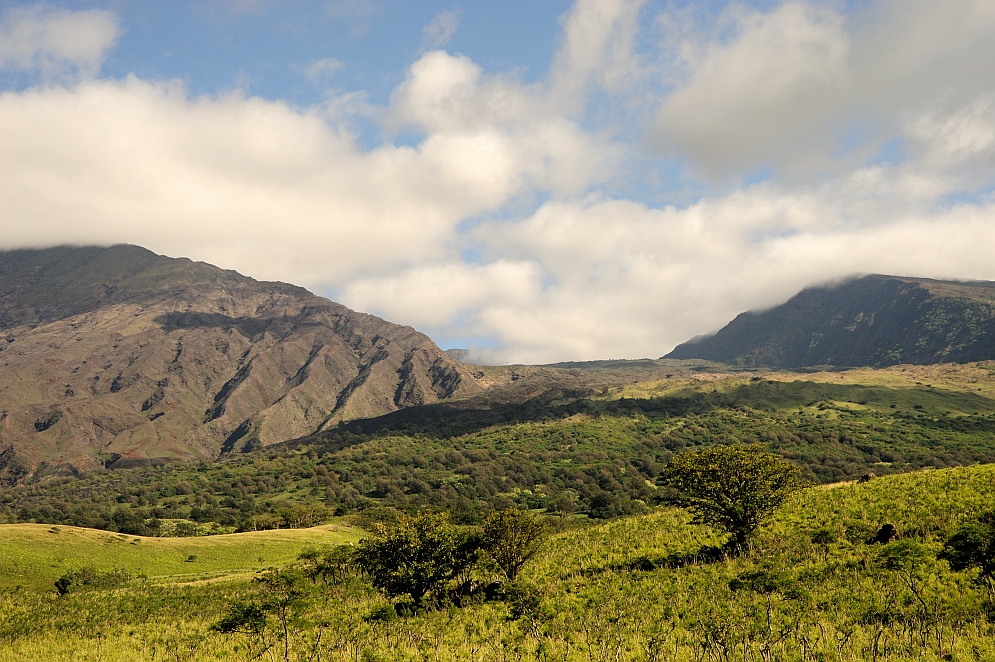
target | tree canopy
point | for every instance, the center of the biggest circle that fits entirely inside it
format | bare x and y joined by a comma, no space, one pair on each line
512,537
973,546
419,554
732,487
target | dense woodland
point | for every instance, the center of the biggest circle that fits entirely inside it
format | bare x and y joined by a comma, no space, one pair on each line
601,457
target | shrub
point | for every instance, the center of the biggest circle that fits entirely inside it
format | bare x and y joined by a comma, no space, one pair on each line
973,546
418,555
89,578
732,487
512,538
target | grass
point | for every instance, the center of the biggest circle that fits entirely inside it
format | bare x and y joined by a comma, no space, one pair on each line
604,592
35,555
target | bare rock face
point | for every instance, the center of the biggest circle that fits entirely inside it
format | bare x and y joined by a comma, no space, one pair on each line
118,356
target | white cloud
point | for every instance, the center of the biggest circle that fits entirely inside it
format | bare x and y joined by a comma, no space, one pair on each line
615,278
440,295
597,47
274,191
516,177
241,181
440,30
320,71
776,85
805,89
494,133
56,42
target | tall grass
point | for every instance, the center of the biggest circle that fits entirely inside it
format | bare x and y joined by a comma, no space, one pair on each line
624,590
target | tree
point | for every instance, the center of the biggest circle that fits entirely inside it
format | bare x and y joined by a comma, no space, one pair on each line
416,556
512,538
973,546
330,563
732,487
282,593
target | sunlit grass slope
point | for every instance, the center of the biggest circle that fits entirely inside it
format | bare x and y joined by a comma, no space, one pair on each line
35,555
606,592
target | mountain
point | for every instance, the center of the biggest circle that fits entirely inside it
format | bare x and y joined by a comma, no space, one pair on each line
868,321
118,356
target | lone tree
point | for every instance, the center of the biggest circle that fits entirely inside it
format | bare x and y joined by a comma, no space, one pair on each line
973,546
732,487
512,538
418,555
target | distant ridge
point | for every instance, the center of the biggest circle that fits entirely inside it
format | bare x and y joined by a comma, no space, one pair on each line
118,356
869,321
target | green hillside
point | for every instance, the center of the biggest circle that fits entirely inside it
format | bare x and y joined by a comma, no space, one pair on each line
599,453
869,321
35,555
627,589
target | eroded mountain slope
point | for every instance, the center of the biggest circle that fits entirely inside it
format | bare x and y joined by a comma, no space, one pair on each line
119,356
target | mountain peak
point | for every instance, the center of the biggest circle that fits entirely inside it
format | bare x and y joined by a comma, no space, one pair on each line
120,356
874,320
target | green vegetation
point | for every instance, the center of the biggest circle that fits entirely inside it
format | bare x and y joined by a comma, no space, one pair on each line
34,555
973,547
599,454
537,528
512,538
734,488
418,555
631,588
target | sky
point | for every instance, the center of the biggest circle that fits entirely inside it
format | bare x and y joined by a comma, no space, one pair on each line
534,181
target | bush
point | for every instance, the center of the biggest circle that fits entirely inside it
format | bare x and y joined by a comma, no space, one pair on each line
512,538
332,564
90,578
418,555
732,487
973,546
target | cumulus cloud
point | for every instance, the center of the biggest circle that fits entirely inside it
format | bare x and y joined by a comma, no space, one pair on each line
773,87
615,278
275,191
804,89
598,46
496,220
56,42
494,132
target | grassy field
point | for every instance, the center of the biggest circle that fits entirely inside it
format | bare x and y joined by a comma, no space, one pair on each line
621,590
33,556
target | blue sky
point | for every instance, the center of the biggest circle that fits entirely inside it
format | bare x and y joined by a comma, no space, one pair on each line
535,181
267,49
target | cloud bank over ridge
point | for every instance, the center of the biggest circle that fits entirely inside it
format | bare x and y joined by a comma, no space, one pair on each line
672,168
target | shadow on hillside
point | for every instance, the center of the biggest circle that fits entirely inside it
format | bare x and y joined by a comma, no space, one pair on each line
247,326
453,419
704,556
548,401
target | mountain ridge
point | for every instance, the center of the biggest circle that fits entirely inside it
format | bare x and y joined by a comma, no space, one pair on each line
874,320
118,356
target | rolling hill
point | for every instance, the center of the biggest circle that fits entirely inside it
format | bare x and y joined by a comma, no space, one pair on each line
868,321
118,356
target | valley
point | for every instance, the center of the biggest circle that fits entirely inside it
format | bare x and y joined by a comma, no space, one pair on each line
191,459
